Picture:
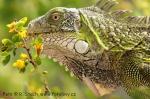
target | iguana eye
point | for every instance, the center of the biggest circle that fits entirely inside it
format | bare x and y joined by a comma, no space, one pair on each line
55,16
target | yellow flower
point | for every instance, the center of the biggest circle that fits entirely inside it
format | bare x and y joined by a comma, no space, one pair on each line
34,89
38,48
23,34
39,90
23,56
12,26
20,64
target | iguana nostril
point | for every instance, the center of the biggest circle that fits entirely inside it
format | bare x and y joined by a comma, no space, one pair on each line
29,28
32,26
29,25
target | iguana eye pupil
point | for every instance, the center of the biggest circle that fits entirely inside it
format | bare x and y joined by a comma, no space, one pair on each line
55,16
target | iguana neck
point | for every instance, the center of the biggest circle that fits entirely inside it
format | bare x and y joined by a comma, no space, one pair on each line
117,33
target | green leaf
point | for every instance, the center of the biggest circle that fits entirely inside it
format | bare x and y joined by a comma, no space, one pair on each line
6,60
6,42
5,53
3,48
16,38
21,23
7,45
23,20
7,48
38,60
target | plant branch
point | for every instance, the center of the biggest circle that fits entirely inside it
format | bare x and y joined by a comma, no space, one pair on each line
29,54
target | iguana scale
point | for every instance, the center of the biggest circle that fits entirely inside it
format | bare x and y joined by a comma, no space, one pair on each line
106,49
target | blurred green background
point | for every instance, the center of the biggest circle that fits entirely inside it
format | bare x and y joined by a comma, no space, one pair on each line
58,79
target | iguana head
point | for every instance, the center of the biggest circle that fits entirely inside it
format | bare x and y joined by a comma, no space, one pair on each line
58,19
59,28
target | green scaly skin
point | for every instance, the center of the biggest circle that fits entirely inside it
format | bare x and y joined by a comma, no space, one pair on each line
99,46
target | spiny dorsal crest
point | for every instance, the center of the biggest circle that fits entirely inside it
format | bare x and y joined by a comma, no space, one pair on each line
143,20
107,5
119,14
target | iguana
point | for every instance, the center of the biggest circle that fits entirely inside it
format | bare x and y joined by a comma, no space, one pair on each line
104,48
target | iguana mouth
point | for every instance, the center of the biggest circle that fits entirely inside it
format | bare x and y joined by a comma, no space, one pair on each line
36,34
48,32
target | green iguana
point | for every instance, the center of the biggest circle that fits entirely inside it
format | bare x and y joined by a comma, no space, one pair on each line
106,49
